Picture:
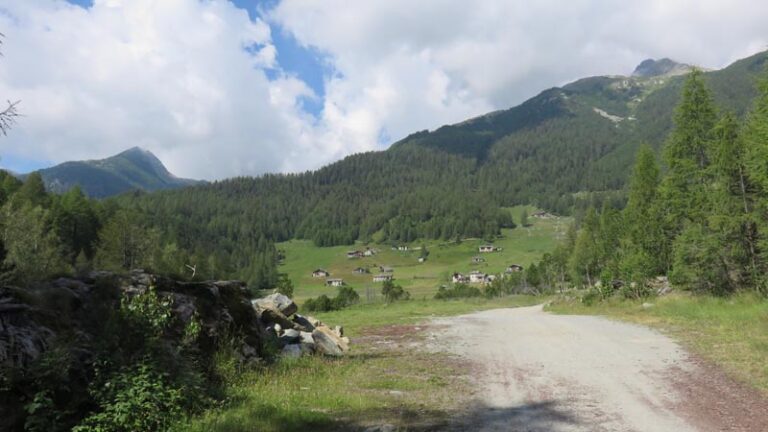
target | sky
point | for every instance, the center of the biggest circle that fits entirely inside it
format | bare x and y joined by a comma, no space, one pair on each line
220,88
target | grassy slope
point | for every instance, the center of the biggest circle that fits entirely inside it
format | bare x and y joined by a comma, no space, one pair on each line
731,332
520,246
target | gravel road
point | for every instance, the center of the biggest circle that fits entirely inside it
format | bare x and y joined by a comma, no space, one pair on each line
536,371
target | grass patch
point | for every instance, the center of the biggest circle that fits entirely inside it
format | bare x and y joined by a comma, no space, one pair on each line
382,380
522,245
731,332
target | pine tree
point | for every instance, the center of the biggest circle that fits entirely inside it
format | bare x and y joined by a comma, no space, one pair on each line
643,237
687,155
755,144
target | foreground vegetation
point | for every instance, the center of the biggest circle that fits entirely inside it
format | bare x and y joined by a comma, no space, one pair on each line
731,332
383,380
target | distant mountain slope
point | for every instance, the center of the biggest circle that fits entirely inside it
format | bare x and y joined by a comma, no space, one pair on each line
582,136
564,148
133,169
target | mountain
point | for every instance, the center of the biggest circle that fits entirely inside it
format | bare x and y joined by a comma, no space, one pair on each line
133,169
664,67
563,149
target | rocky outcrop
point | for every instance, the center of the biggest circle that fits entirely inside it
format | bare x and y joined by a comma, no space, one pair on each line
298,335
70,318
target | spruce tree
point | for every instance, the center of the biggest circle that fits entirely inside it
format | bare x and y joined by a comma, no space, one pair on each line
643,238
686,153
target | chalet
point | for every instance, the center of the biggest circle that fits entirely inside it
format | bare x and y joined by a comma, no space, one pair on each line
487,248
386,269
320,273
354,254
335,282
477,277
459,278
544,215
382,277
403,248
514,268
369,252
361,270
422,259
478,260
490,278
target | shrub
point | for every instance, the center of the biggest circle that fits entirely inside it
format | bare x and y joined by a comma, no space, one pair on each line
458,291
392,292
346,297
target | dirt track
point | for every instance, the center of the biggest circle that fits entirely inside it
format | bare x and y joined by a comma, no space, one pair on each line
536,371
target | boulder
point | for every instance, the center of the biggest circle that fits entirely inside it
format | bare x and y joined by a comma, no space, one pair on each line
291,351
325,344
303,323
306,337
289,336
269,316
328,342
307,348
277,302
339,330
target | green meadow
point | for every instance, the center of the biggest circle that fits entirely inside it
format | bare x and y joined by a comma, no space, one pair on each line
522,246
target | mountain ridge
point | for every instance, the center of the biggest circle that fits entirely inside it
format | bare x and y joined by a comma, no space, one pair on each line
134,169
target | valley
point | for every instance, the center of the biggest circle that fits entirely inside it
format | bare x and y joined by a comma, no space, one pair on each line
521,246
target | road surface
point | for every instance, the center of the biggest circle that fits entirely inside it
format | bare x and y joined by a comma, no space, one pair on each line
535,371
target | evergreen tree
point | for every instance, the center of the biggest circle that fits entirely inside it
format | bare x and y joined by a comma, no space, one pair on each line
643,237
687,156
32,248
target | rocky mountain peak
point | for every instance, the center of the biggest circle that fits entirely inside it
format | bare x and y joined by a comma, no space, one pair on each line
662,67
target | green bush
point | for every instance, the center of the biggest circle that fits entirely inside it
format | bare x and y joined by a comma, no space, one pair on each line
138,398
392,292
346,297
458,291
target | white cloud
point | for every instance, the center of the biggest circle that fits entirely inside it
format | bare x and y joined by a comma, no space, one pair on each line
173,75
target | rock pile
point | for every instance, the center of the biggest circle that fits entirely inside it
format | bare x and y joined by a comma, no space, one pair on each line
298,335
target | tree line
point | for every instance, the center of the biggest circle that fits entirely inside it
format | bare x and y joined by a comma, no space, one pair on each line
700,217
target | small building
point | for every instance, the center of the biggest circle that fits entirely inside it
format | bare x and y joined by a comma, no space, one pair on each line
369,252
459,278
478,259
382,277
354,254
422,259
384,269
335,282
544,215
487,248
361,270
320,273
514,268
490,278
477,277
403,248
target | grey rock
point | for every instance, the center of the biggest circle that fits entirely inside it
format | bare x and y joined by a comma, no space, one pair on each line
303,323
381,428
277,302
325,344
306,337
291,351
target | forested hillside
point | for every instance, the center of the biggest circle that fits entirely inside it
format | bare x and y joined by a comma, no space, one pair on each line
702,222
563,150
